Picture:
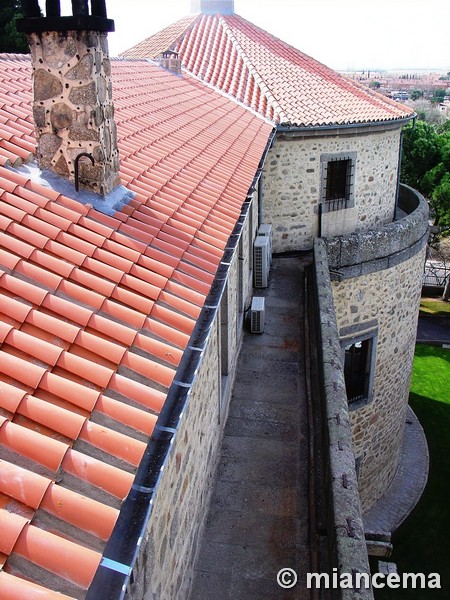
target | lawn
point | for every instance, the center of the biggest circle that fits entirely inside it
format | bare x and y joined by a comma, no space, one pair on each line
434,306
421,544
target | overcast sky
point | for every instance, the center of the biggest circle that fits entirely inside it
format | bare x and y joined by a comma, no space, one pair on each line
343,34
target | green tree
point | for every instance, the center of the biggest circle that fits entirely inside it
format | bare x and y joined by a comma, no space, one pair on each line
420,153
416,94
438,96
426,166
10,39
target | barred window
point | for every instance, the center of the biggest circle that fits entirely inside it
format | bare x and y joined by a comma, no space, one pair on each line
337,181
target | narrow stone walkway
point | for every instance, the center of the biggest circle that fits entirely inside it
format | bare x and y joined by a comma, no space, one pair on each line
258,522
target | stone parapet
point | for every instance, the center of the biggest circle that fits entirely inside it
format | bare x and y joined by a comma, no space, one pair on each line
346,545
364,252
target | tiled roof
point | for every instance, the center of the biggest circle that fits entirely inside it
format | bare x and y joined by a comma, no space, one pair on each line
268,75
96,310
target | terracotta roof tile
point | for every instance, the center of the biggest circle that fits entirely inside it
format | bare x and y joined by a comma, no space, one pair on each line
268,75
96,310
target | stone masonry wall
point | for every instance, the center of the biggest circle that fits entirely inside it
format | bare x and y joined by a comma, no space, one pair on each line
164,568
165,565
73,108
346,545
292,185
388,299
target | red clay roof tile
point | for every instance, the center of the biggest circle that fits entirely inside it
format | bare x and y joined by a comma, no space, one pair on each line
116,482
11,526
40,448
23,485
61,420
268,75
103,339
67,559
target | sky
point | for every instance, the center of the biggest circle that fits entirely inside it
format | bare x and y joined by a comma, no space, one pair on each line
343,34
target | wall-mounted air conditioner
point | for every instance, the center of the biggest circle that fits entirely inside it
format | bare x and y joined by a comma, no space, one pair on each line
265,229
257,315
261,261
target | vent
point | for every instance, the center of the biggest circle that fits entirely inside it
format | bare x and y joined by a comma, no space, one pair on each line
266,230
261,261
257,315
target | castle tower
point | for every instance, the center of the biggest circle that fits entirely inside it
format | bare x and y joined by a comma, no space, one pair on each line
72,105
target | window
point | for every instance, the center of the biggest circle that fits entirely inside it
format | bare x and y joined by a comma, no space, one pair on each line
356,370
359,366
337,181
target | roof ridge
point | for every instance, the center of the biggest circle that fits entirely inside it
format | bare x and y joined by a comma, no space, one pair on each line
272,101
190,22
14,56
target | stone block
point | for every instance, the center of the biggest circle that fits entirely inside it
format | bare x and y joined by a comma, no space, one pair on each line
46,85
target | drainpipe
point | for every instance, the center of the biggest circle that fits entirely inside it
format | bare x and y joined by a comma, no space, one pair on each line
319,214
400,156
259,176
397,193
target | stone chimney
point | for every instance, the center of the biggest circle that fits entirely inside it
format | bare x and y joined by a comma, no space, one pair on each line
170,61
213,7
72,104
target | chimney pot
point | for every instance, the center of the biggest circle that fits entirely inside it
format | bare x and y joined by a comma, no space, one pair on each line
170,60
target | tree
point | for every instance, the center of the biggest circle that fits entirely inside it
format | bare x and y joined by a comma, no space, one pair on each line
438,96
420,153
416,94
10,39
426,166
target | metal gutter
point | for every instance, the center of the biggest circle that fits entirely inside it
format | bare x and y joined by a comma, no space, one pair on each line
345,126
115,572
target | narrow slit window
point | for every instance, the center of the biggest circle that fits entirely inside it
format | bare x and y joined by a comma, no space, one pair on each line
357,370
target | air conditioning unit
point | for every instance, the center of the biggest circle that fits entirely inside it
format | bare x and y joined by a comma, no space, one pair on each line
266,230
261,261
257,315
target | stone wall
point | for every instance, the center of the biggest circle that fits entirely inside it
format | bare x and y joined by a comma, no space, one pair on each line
388,300
164,567
346,546
73,108
377,288
293,177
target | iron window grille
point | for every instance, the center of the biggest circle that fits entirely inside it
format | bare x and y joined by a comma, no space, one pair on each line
338,173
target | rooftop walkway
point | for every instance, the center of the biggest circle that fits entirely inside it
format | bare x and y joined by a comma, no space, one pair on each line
258,521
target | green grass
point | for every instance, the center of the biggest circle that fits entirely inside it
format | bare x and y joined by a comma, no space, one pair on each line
435,307
421,544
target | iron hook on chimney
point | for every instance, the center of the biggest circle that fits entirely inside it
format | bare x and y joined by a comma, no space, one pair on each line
77,160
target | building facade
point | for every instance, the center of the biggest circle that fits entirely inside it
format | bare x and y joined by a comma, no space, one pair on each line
123,302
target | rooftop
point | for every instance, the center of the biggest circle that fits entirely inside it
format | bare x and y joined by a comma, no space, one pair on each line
273,78
97,308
